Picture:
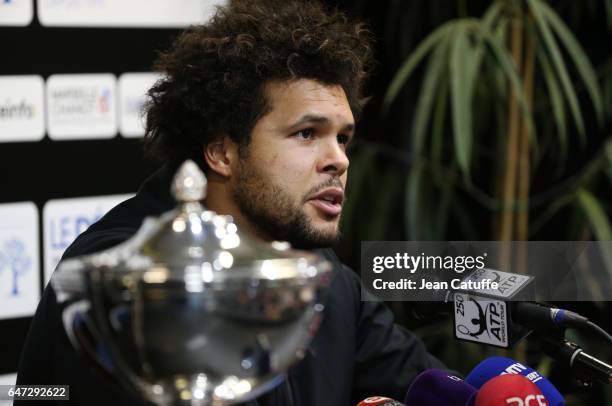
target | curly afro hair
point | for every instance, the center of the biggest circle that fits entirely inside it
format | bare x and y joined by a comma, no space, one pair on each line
215,73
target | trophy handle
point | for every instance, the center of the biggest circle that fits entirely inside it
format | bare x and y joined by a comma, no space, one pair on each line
84,336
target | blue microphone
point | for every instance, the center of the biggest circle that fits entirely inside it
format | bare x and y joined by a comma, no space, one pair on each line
495,366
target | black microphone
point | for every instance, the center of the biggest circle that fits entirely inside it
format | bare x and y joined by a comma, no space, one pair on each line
586,366
493,307
482,304
492,315
538,316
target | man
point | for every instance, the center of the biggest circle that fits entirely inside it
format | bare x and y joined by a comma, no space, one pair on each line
263,98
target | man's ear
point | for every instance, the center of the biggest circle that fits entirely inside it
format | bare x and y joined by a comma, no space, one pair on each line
221,155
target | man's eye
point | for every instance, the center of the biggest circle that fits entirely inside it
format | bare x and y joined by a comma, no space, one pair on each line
343,139
305,134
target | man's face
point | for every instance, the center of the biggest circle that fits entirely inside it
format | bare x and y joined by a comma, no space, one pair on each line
290,179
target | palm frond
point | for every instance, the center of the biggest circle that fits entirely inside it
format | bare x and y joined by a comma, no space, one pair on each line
433,77
579,57
596,215
412,62
558,63
461,85
439,120
556,100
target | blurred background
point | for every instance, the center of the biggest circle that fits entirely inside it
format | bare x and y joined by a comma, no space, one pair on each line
488,120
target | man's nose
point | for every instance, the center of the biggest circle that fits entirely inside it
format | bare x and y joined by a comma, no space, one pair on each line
334,160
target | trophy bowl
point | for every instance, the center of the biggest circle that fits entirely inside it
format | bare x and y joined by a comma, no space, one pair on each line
189,311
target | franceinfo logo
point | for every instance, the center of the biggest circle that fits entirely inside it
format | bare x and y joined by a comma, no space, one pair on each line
21,108
16,109
10,109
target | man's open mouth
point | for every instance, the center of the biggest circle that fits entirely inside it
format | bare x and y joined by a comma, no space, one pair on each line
329,201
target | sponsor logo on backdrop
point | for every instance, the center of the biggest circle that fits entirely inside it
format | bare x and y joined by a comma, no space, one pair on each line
21,108
81,106
121,13
65,219
19,260
132,96
16,12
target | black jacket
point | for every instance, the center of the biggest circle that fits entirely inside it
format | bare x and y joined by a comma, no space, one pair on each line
358,351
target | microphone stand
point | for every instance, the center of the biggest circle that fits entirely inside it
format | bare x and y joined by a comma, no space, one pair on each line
588,367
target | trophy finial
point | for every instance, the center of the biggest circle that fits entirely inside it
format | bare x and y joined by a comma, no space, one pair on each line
189,184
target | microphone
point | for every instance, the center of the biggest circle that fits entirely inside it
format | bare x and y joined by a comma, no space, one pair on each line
491,315
509,390
538,316
495,366
435,387
379,401
492,307
585,365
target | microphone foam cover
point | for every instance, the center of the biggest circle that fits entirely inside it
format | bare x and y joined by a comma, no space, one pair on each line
435,387
510,390
494,366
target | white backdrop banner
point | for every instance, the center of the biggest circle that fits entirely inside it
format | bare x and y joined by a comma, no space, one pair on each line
19,260
133,88
8,379
125,13
65,219
16,12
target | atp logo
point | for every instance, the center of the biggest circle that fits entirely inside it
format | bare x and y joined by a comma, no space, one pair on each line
485,316
497,277
480,320
15,260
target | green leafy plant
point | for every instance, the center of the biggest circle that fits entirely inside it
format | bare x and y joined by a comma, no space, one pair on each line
481,125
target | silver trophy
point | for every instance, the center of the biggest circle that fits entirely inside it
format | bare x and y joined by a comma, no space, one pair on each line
189,311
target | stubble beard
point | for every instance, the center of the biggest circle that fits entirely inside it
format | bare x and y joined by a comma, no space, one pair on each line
274,213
